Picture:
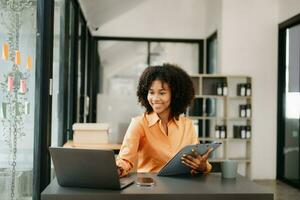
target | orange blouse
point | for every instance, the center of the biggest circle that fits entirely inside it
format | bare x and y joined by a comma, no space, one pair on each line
146,142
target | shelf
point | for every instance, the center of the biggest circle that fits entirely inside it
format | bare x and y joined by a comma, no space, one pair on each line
239,97
219,76
239,140
195,75
238,118
240,160
226,111
204,118
238,76
216,159
211,139
213,76
210,96
223,97
220,118
224,139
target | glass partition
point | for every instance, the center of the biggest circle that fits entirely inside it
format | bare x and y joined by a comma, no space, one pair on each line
17,93
292,106
121,64
55,82
185,55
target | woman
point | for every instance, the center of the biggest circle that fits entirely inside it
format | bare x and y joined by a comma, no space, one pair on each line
156,136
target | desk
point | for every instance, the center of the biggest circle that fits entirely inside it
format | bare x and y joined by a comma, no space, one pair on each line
208,187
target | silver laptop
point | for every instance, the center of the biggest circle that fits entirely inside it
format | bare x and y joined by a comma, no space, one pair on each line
87,168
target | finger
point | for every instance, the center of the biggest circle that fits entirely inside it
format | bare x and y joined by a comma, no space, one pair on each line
205,156
195,153
190,163
194,172
189,157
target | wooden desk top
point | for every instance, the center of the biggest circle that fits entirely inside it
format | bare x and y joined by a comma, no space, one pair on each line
70,144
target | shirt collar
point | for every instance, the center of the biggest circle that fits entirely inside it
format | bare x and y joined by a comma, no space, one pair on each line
152,118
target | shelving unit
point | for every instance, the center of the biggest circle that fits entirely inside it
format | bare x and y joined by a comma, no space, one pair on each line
210,109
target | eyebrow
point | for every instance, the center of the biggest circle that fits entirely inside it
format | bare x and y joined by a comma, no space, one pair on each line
159,89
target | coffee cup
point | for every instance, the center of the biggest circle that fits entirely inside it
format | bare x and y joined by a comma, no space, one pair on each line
229,169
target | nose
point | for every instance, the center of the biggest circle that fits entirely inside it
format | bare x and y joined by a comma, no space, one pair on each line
155,98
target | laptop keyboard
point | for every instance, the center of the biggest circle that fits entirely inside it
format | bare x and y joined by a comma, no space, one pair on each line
124,183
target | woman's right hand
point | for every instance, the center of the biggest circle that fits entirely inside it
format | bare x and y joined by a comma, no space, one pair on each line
197,162
120,171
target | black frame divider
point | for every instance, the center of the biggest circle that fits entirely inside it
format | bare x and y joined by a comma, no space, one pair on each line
76,19
200,43
68,63
68,68
208,41
280,99
82,66
42,125
92,78
148,52
201,56
72,71
63,73
146,39
280,103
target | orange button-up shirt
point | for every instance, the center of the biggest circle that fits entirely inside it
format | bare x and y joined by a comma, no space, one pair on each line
146,142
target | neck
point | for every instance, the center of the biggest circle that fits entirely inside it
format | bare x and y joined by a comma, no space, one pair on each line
164,116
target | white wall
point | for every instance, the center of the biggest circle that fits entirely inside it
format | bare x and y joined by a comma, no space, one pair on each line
288,9
248,45
213,22
156,18
212,18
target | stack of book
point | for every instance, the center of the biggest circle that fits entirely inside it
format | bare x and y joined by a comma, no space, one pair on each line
90,133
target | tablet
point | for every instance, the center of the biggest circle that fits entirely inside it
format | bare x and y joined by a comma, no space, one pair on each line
175,166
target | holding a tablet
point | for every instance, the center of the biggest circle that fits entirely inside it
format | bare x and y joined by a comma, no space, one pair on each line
180,163
152,139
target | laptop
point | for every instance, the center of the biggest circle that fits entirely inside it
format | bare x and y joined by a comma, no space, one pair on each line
88,168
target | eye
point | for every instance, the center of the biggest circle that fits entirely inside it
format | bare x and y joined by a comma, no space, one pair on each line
162,93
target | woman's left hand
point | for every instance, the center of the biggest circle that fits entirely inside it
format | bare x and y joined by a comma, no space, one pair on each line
197,162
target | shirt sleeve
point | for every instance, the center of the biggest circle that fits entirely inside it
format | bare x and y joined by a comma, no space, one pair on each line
128,152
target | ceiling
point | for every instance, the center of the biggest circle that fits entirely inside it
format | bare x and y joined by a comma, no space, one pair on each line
98,12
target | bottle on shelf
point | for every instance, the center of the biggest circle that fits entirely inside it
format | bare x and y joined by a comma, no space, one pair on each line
248,89
241,89
248,132
248,110
217,131
242,111
224,89
223,132
243,132
219,89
